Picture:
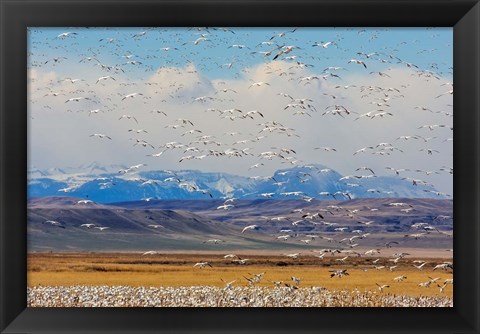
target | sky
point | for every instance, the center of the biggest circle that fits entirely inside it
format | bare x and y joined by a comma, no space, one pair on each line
245,101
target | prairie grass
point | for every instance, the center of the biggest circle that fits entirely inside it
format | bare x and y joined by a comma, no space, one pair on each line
175,270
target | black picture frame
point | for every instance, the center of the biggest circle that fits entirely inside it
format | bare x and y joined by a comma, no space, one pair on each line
16,16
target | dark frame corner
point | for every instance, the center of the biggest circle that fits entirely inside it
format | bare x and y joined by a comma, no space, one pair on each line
16,16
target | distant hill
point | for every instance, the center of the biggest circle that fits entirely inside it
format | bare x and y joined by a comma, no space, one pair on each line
186,225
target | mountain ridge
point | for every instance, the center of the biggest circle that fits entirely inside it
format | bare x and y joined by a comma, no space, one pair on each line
110,184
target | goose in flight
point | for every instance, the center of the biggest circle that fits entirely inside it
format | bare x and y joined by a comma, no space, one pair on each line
214,241
433,280
407,137
255,279
256,166
150,253
285,50
54,223
381,114
252,112
368,114
87,225
443,266
198,41
368,55
105,78
397,171
291,287
139,34
94,111
101,228
357,61
325,148
296,280
202,265
397,204
89,59
202,99
240,261
425,284
366,223
55,60
251,281
277,283
365,168
100,135
381,287
258,84
71,80
184,121
158,111
429,150
250,227
390,243
64,35
363,150
372,252
132,95
292,255
323,44
432,126
156,226
136,166
77,99
53,94
228,285
282,34
382,74
420,267
238,46
339,273
138,130
450,92
168,48
128,117
85,201
415,235
442,287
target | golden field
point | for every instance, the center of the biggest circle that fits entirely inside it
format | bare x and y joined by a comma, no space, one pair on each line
174,270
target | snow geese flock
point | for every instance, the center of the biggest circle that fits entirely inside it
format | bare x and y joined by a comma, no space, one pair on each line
371,103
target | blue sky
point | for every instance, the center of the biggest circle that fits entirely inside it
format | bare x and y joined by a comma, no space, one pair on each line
429,49
406,84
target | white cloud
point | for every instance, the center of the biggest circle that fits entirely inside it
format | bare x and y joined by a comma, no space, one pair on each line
59,134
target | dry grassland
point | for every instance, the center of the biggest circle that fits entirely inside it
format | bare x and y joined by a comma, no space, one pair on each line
176,270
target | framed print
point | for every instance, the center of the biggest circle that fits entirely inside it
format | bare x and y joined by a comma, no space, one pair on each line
239,167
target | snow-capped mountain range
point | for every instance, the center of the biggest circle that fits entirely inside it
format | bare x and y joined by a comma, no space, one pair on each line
118,183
